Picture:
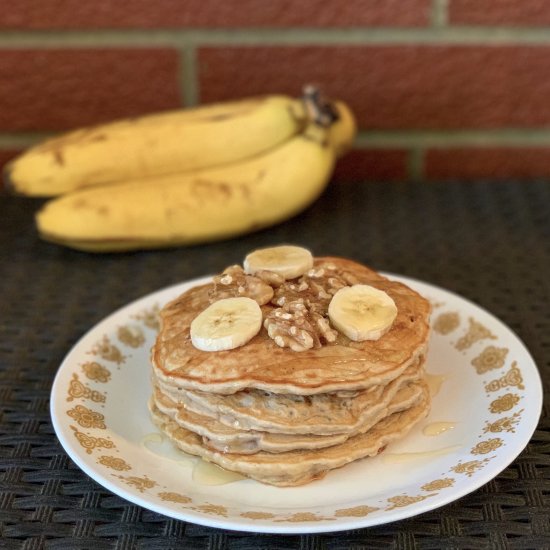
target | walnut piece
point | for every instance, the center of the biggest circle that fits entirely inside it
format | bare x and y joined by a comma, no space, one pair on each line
296,327
316,288
234,283
299,320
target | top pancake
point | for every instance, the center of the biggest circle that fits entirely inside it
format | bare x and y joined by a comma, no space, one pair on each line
342,365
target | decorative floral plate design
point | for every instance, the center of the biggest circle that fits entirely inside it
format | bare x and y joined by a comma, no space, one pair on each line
490,394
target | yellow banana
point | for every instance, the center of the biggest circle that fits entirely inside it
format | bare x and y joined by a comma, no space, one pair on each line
191,208
154,145
343,131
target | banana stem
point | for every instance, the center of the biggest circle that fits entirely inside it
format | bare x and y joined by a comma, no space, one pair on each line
319,109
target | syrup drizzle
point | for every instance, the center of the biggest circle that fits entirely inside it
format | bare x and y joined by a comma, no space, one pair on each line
434,382
204,473
437,428
398,458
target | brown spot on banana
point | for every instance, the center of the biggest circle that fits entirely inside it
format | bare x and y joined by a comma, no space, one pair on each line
245,192
80,203
83,204
76,138
170,213
222,116
58,157
228,115
213,187
225,190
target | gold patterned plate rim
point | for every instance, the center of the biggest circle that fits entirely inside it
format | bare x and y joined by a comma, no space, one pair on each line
490,394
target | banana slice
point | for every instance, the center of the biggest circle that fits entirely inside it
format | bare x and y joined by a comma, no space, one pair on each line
362,312
226,324
288,261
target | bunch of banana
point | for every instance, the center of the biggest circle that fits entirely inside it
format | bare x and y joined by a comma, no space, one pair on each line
184,177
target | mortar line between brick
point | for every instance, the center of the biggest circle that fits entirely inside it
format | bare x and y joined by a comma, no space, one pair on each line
440,13
189,76
376,139
455,138
291,37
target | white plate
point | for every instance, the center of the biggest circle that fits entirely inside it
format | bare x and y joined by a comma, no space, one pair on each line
491,392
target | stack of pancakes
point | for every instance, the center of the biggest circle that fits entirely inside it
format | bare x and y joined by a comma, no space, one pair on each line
287,417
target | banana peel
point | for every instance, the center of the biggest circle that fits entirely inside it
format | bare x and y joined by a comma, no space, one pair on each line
187,209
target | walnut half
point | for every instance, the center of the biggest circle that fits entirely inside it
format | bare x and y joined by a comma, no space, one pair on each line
234,283
296,327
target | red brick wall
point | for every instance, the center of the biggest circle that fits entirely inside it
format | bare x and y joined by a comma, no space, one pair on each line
443,89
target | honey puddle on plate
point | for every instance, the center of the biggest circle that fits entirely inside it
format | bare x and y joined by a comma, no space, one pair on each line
434,382
437,428
159,445
204,473
398,458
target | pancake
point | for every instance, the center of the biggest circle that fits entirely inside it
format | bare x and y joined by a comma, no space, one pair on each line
397,397
319,414
291,402
301,466
262,364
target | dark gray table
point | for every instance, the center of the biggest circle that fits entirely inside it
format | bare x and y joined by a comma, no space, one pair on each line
490,242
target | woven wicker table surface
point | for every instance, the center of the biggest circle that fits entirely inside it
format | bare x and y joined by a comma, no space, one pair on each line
488,242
